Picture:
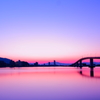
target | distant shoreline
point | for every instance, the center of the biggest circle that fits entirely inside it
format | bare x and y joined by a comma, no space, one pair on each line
39,66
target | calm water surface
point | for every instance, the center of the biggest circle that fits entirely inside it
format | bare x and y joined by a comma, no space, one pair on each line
49,83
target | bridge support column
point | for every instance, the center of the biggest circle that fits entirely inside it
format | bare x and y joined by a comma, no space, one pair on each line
91,62
91,67
80,64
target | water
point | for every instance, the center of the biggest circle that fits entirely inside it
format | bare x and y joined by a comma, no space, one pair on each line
49,83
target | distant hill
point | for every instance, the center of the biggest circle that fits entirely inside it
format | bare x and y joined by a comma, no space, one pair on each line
6,60
57,63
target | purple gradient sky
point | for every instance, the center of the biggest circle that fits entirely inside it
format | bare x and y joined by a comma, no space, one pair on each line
44,30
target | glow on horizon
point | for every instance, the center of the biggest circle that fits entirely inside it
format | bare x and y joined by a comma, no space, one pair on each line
43,50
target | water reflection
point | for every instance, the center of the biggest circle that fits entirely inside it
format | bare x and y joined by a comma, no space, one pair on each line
91,73
60,83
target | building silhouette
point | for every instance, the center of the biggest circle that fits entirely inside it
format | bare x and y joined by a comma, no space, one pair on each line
54,63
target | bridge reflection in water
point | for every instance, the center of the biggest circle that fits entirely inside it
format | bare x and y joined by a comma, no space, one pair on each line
91,73
91,65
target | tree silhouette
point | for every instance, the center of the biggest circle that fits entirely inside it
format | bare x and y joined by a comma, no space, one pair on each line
36,64
24,64
12,64
3,64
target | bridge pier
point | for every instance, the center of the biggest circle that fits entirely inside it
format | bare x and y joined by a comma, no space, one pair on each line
91,67
80,64
91,63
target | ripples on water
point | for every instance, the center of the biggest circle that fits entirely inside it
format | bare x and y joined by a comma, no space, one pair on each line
49,83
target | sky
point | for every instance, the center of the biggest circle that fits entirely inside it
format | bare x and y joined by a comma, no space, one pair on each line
47,30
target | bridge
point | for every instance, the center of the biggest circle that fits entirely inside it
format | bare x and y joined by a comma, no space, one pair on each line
91,65
79,62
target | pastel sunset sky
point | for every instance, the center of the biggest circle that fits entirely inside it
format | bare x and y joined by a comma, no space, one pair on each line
47,30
